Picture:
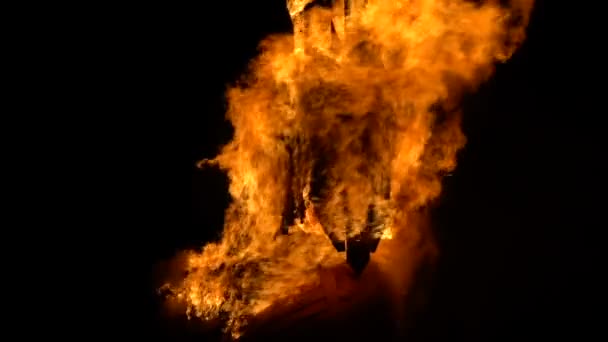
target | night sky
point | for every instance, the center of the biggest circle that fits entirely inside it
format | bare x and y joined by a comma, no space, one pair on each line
511,223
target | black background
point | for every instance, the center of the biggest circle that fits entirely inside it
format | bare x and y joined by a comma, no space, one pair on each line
514,220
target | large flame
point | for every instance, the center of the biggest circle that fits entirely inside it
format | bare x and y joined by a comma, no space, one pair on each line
371,88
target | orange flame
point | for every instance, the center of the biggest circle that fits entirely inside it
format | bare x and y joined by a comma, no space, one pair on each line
370,86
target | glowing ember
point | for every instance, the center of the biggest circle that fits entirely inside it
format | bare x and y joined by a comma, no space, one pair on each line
343,130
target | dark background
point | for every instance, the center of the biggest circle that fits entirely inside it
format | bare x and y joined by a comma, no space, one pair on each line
515,218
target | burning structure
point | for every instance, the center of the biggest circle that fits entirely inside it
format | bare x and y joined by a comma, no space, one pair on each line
343,131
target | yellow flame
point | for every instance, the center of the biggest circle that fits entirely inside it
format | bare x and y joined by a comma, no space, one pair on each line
387,72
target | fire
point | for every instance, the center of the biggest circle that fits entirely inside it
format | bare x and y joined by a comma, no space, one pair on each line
355,114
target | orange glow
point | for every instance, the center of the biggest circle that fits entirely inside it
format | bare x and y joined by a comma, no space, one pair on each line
372,86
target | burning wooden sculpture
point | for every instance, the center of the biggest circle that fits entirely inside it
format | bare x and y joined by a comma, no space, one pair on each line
329,159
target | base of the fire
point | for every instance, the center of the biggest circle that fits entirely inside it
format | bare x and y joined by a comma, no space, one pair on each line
338,305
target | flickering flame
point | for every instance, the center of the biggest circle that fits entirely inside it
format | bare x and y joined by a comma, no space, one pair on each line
369,91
